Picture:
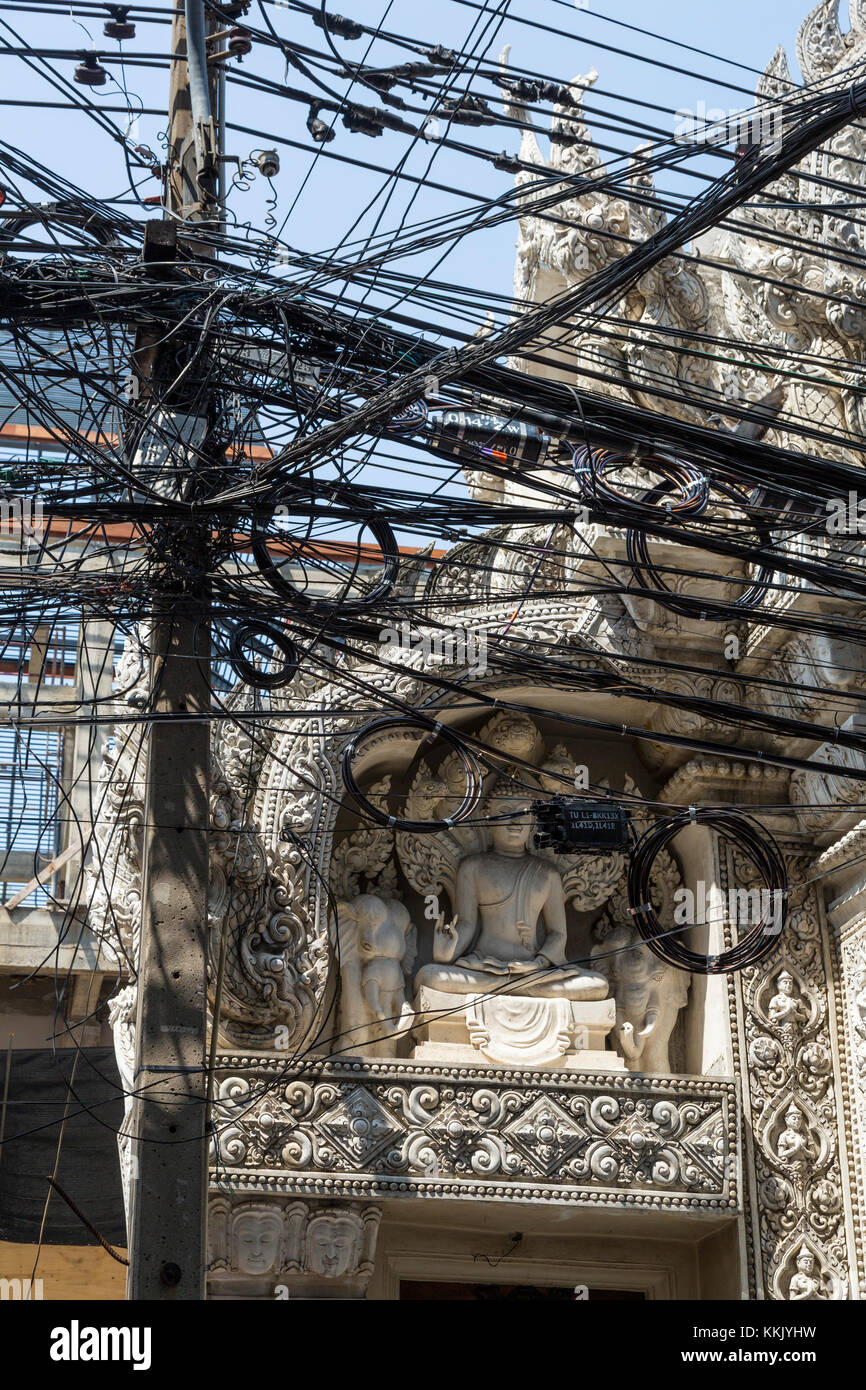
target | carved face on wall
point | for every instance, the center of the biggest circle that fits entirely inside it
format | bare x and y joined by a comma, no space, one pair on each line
785,983
805,1262
332,1244
516,735
257,1241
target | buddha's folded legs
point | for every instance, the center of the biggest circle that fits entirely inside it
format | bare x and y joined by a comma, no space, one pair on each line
456,979
558,984
581,985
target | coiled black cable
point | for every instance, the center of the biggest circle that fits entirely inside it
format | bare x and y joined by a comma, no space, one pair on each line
247,671
592,468
760,849
470,800
273,573
648,576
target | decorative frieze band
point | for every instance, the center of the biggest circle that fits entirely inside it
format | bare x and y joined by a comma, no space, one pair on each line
364,1128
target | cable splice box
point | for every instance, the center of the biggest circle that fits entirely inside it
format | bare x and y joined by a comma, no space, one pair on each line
569,825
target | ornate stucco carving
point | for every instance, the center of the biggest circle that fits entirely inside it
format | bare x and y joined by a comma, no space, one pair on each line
722,779
430,861
402,1129
794,1103
271,852
850,956
275,957
377,944
821,798
291,1249
801,311
364,853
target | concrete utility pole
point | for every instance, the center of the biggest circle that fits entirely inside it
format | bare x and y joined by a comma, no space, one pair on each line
169,1155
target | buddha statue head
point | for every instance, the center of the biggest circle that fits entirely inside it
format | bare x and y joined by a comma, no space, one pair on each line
510,836
512,801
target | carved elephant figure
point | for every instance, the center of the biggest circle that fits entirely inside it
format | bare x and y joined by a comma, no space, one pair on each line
377,952
649,996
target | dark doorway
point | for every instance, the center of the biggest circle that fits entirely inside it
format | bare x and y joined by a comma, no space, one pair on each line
416,1289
